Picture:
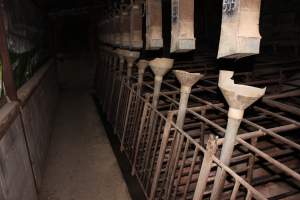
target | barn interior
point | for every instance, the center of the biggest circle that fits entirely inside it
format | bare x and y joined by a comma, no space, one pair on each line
149,99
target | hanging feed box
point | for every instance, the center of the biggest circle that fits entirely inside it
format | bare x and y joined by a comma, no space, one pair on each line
136,23
125,28
183,39
116,28
240,35
154,38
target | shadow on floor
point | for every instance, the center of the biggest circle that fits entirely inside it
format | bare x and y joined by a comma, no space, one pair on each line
132,183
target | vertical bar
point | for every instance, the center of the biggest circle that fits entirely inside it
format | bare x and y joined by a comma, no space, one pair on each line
140,136
251,162
8,78
190,173
235,190
211,149
162,150
126,121
187,144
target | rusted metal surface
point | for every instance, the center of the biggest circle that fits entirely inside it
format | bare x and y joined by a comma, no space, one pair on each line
8,78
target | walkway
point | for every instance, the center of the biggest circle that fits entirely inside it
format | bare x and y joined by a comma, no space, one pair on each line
81,164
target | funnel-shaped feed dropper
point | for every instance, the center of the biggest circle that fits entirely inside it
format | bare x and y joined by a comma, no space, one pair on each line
142,66
187,80
131,57
159,66
239,97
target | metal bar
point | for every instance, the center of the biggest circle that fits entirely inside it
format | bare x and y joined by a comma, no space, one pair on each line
8,78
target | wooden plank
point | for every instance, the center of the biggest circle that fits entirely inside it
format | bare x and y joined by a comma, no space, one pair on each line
38,116
16,179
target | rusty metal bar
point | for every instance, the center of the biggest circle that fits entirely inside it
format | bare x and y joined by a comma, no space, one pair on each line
8,77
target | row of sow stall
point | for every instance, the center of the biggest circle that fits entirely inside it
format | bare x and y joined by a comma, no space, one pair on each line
190,131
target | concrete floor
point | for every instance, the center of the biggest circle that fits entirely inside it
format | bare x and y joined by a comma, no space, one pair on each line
81,164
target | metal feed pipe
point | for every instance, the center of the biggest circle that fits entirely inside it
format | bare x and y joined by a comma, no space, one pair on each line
239,97
159,66
142,66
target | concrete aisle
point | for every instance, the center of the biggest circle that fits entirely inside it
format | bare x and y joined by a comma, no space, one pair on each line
81,164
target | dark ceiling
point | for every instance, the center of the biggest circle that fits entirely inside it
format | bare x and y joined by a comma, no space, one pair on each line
57,5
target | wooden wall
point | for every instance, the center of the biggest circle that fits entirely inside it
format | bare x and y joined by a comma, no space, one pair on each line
25,129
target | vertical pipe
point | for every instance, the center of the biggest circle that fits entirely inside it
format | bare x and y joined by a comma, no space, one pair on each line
8,77
129,69
184,98
121,65
187,80
142,65
157,86
131,57
226,154
239,97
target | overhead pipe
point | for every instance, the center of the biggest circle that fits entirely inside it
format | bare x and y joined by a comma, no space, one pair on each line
182,35
239,98
240,35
